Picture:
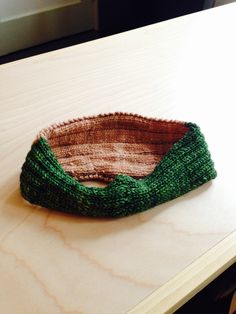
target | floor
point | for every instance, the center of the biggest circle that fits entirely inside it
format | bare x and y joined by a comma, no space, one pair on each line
65,42
215,298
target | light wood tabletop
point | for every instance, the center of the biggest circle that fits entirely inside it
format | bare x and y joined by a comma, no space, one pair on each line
152,262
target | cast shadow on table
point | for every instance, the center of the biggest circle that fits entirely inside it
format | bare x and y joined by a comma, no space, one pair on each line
89,227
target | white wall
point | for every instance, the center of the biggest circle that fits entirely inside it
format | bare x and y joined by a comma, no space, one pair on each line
26,23
221,2
11,9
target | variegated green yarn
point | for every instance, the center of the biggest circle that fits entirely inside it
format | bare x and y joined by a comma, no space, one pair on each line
186,166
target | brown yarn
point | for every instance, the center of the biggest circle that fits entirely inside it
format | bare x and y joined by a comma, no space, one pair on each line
106,145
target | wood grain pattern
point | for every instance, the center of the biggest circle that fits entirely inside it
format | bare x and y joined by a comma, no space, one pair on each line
191,280
180,69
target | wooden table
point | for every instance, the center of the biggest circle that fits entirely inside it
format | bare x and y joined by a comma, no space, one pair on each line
150,262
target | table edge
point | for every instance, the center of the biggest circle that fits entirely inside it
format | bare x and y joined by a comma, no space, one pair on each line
172,295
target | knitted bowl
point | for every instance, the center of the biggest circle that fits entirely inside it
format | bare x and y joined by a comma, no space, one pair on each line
145,161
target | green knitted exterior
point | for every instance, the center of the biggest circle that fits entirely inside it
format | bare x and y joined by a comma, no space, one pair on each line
186,166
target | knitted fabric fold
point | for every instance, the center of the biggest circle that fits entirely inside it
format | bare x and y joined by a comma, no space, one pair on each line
145,161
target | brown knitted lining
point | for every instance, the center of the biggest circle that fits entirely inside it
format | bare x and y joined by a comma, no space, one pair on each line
106,145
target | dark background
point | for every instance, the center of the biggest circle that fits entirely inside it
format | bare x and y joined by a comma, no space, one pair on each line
122,15
118,16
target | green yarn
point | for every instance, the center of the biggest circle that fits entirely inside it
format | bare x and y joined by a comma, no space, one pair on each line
185,167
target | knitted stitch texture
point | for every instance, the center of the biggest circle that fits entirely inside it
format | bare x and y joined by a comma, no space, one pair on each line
146,162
